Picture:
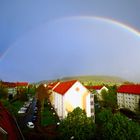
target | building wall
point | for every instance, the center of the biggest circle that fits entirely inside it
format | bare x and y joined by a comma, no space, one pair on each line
12,91
77,96
52,98
99,95
88,105
130,101
58,104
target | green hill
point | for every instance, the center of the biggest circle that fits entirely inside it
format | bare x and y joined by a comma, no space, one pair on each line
96,78
92,79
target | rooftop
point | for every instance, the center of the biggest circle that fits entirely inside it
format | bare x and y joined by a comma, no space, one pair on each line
131,89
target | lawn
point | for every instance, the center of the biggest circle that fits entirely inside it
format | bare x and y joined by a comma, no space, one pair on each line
13,107
47,117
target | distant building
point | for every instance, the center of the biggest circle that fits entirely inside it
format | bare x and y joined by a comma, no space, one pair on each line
71,94
128,96
13,87
97,90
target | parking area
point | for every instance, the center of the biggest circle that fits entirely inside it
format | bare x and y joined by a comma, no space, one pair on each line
46,124
27,114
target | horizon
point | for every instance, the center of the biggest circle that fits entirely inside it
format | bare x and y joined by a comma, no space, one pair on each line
102,78
48,40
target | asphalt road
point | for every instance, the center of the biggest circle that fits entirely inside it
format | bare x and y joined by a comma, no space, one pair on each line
27,117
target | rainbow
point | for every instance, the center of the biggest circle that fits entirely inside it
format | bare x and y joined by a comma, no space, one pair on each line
102,19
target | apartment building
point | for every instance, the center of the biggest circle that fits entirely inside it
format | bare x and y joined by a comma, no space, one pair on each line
71,94
97,90
128,96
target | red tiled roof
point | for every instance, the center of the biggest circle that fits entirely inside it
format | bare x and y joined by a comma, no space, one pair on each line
94,87
131,89
8,84
7,123
63,87
21,84
12,84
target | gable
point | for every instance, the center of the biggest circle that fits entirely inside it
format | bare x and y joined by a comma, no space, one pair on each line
63,87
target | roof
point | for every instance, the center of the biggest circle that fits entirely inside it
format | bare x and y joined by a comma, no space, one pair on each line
21,84
14,84
94,87
7,124
131,89
63,87
53,85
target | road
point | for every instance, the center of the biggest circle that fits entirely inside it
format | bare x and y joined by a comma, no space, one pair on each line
27,117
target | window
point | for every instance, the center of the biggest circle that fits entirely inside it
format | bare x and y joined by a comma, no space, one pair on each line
92,110
77,89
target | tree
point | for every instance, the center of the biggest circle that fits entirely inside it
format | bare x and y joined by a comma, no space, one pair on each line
3,92
77,125
110,97
120,128
116,127
103,116
22,94
42,93
31,90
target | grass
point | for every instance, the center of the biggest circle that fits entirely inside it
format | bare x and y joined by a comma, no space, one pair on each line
13,107
47,117
17,105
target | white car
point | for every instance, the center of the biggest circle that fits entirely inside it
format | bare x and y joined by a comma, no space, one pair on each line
26,104
30,99
21,111
30,125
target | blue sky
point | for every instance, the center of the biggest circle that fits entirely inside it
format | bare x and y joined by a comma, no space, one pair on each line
52,39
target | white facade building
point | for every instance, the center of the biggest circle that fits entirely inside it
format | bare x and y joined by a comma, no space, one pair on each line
98,90
69,95
128,96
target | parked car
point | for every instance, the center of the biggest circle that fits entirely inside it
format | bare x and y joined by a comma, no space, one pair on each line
34,118
30,99
35,112
21,111
27,104
30,125
35,109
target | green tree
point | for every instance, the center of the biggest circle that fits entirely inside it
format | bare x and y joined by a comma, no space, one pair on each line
31,90
110,97
22,94
77,125
116,127
104,116
120,128
42,93
3,92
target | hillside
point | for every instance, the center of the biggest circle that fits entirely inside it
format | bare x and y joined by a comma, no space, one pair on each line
96,79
